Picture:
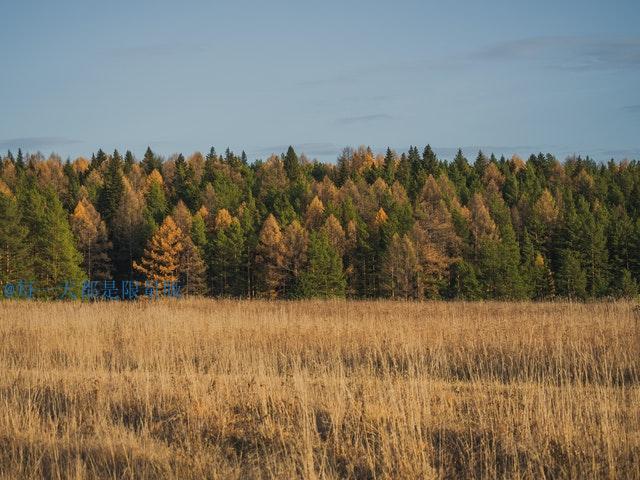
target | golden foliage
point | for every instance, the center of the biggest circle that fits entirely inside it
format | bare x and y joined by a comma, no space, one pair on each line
223,219
161,257
315,214
335,233
380,218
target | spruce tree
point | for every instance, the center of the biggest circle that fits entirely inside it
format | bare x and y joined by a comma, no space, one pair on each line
291,164
112,190
15,261
324,275
56,261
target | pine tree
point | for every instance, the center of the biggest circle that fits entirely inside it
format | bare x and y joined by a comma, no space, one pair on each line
324,276
161,259
92,240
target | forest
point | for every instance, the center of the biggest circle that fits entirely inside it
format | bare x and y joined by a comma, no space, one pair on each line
403,225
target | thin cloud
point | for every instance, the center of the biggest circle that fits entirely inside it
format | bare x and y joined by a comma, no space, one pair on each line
566,52
157,50
363,119
311,148
635,109
34,143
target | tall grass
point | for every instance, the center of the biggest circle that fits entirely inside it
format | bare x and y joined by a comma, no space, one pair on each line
233,389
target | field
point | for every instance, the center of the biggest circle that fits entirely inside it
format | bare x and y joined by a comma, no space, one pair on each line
363,390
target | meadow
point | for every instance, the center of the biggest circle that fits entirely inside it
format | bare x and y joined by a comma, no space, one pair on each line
319,390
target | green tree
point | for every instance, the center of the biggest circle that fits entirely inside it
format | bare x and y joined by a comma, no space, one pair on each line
291,164
571,278
15,261
111,192
324,276
51,246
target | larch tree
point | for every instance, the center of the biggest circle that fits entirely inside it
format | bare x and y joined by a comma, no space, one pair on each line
161,260
129,231
401,269
296,243
315,214
155,198
92,240
335,233
270,258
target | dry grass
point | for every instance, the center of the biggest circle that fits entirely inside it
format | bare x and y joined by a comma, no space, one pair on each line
228,389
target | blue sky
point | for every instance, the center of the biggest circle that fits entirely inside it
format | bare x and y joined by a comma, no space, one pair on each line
507,76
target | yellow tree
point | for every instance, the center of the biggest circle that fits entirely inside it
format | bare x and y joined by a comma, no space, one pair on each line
315,214
296,243
335,233
191,265
270,258
161,258
92,240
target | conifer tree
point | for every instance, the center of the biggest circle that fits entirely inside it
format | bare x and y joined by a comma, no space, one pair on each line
324,276
156,201
56,261
150,162
129,162
401,269
335,233
226,256
463,282
571,279
112,189
92,240
388,167
296,243
15,262
129,232
184,184
270,259
161,260
291,164
315,214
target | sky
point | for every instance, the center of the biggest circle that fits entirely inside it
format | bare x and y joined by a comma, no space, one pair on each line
506,77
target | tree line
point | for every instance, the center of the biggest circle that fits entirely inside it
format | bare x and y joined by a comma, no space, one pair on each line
403,226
